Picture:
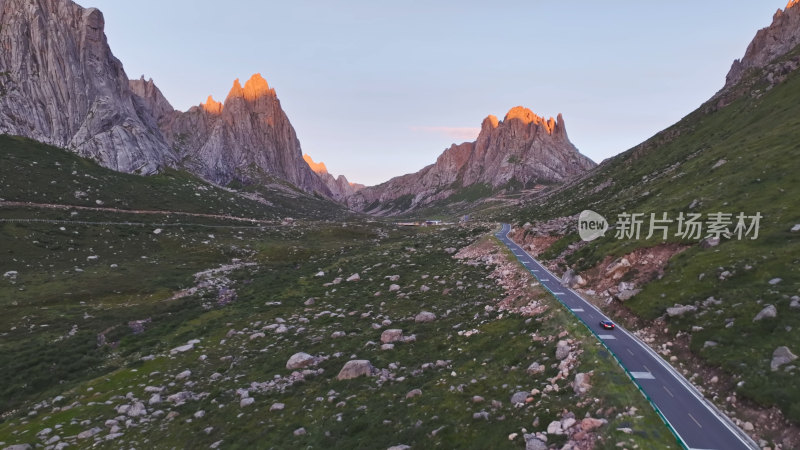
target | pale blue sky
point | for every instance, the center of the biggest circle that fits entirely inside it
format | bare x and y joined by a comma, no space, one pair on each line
377,89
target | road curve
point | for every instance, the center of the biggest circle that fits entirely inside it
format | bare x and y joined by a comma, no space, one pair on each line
694,420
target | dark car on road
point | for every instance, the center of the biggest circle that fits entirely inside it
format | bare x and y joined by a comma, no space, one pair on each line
607,324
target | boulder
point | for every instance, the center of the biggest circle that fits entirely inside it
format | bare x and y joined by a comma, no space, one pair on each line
555,428
562,350
627,294
709,242
769,312
425,316
300,360
414,393
392,335
355,368
581,383
535,368
781,355
519,397
534,443
679,310
354,277
589,423
616,269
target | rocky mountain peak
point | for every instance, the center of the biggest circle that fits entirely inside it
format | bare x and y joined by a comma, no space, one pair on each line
526,116
257,87
212,106
62,85
340,187
236,91
317,167
772,42
489,123
522,150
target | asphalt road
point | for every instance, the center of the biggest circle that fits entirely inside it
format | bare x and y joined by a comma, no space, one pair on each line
693,418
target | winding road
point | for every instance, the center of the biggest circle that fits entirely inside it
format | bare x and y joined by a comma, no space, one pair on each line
696,422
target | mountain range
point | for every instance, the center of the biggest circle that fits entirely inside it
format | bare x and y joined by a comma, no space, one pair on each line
60,84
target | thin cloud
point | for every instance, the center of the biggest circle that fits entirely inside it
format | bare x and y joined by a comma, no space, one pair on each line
455,133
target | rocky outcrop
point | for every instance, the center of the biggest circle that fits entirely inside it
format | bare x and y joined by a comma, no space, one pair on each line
234,140
523,149
60,84
339,186
772,42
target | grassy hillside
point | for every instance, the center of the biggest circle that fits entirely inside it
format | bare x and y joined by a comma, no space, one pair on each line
744,157
124,329
39,173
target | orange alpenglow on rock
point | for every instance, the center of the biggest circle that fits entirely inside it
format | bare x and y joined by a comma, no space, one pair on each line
792,3
257,87
316,167
212,106
527,116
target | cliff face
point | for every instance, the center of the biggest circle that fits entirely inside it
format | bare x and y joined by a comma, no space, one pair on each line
60,84
782,36
339,186
226,141
523,148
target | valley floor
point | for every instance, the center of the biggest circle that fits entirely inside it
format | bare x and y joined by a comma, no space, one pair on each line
180,337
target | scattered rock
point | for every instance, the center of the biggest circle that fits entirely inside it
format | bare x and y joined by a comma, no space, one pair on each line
535,368
718,163
769,312
532,442
247,401
679,310
480,415
300,360
394,287
562,350
796,228
555,428
581,384
277,407
183,375
775,281
354,277
709,242
355,368
392,335
781,355
425,316
300,431
589,424
88,433
414,393
519,397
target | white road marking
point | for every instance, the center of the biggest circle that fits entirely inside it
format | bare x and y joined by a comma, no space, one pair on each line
606,336
629,351
695,420
561,293
668,391
573,309
643,375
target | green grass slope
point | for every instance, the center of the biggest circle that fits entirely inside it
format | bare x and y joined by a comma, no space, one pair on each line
744,157
34,172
